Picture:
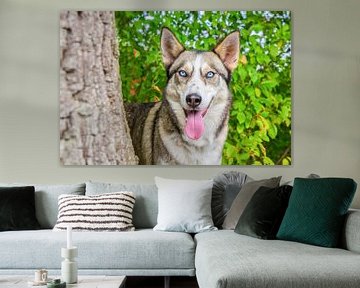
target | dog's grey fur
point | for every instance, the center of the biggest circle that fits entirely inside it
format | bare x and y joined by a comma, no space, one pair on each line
160,132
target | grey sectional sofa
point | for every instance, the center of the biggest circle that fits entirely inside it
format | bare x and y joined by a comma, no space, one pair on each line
218,259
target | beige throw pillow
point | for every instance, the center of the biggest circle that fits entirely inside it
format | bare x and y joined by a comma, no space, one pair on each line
243,198
104,212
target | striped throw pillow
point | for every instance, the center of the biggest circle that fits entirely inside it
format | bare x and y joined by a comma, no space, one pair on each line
105,212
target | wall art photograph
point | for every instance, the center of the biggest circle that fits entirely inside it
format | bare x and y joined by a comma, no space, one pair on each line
175,88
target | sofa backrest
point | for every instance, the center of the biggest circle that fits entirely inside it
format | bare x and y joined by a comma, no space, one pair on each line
146,203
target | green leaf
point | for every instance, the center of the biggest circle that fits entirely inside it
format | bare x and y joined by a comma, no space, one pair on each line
241,118
268,161
274,51
286,161
272,132
257,92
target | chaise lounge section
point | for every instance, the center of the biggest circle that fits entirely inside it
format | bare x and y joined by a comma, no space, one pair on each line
226,259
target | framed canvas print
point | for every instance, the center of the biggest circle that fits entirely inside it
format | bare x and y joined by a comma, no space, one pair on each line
175,87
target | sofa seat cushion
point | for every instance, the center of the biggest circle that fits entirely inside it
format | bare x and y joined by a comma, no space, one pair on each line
226,259
141,249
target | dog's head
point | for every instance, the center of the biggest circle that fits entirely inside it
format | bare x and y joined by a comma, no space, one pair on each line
197,81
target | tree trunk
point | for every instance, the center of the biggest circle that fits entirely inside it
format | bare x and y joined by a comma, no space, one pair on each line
93,127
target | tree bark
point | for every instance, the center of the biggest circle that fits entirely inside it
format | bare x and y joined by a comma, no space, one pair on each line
93,127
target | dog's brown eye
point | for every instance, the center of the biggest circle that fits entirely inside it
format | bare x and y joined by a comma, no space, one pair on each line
210,74
183,73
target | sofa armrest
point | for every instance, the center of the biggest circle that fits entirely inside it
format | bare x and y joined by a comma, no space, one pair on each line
351,234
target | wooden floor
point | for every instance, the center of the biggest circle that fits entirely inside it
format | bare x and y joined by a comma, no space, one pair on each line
158,282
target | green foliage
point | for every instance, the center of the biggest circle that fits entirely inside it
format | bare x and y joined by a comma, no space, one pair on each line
260,117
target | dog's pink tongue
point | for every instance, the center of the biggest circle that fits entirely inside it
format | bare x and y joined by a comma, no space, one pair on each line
195,127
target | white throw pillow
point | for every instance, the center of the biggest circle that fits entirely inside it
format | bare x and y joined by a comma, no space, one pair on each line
104,212
184,205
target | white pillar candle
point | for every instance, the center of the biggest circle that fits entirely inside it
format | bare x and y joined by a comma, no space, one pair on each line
69,237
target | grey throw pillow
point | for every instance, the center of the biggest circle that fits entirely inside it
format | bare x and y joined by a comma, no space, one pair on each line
184,205
310,176
242,199
226,187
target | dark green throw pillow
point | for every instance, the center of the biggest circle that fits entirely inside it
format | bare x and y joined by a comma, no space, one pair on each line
17,208
316,211
263,214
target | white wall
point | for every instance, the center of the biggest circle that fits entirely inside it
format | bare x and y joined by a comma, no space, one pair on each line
326,97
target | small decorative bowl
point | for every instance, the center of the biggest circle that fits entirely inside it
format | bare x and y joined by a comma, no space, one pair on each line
56,283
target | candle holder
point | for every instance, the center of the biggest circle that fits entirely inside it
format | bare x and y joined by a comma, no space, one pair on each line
69,266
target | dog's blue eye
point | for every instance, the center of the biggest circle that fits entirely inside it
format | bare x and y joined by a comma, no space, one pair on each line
182,73
210,74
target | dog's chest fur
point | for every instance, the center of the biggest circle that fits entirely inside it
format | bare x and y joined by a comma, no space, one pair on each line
158,137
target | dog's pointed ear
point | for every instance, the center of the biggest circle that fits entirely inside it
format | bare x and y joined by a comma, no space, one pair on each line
170,47
228,50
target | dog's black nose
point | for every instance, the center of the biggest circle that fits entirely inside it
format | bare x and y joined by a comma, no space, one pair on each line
193,100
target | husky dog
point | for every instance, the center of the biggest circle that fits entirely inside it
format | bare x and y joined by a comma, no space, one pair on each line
190,125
